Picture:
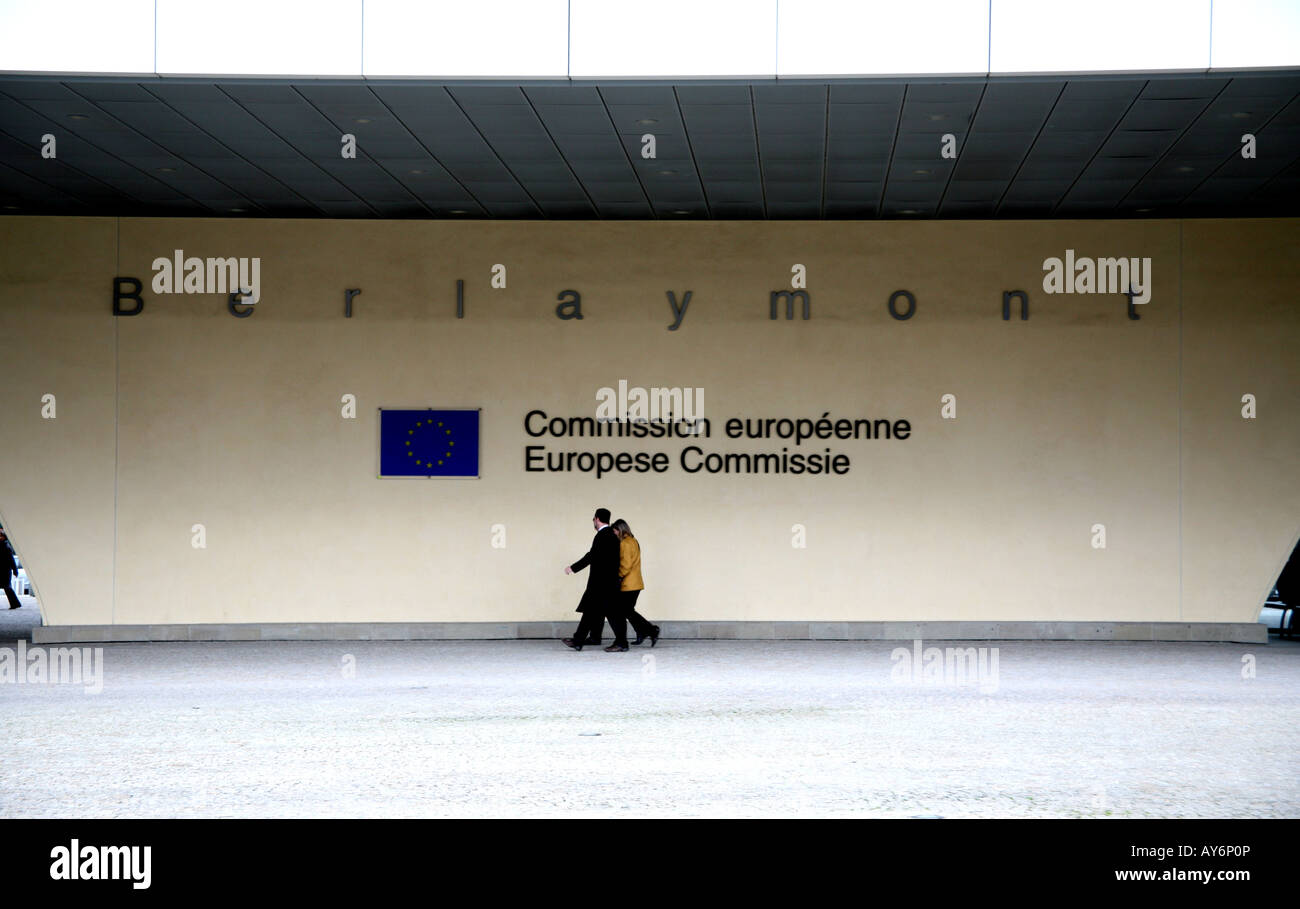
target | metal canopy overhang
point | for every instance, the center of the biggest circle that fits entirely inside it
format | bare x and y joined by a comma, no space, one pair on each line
1150,145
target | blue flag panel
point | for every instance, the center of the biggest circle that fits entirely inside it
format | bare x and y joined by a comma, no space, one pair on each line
428,443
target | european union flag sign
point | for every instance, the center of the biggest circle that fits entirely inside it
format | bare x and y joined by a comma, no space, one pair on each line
428,443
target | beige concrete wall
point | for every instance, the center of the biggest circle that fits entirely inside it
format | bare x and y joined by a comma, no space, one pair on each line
1241,313
1070,419
56,475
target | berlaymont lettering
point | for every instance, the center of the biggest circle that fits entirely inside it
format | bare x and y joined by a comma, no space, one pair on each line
241,279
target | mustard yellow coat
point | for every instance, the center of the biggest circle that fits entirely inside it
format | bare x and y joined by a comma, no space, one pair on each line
629,564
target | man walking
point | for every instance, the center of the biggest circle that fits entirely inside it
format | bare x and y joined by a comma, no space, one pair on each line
601,596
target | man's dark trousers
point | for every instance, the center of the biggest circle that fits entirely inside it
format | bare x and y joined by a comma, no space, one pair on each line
617,618
592,622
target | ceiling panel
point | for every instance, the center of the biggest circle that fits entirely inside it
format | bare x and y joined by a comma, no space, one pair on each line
1026,147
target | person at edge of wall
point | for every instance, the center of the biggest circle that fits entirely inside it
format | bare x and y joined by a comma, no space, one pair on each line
9,569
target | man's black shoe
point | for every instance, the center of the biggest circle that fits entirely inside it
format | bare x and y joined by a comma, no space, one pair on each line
570,642
616,648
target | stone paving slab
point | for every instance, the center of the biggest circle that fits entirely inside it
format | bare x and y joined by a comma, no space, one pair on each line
749,728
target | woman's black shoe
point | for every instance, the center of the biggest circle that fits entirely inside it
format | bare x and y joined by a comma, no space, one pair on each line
654,635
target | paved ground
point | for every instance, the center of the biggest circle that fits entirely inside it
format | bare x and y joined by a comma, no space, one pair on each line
688,729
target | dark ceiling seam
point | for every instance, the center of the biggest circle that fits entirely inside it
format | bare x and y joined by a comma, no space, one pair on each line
970,130
758,150
1179,138
889,165
428,151
106,153
300,153
1087,164
360,146
77,200
690,146
826,152
1038,135
165,103
559,151
1262,192
1233,154
630,163
55,187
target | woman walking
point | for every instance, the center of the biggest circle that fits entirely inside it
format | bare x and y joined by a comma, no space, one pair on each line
629,570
